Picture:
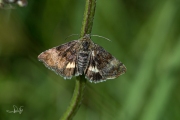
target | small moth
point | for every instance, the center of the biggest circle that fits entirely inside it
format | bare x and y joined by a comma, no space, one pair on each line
80,57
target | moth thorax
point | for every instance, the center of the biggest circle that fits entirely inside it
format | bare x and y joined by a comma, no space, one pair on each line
85,45
82,61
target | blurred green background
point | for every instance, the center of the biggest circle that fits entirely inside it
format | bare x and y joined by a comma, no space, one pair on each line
145,36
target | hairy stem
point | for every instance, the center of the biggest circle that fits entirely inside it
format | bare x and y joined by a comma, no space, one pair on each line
80,80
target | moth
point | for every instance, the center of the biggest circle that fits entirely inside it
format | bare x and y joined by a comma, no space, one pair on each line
82,57
7,3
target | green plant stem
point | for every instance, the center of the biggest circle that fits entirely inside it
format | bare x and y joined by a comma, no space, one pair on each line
76,98
80,80
88,17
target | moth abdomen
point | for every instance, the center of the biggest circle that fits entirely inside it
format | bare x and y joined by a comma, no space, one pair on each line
82,62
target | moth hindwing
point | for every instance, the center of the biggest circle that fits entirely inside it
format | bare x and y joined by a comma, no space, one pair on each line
80,57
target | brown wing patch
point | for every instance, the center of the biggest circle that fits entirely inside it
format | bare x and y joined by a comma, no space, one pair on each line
61,59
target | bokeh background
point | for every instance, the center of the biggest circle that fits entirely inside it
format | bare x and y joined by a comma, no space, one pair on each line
145,36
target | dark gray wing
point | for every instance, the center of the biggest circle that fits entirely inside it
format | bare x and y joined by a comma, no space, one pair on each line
103,65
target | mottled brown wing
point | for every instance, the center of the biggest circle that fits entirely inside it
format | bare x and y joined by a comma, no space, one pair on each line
62,59
103,65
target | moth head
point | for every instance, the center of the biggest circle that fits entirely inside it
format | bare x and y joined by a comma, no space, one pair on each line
86,41
85,45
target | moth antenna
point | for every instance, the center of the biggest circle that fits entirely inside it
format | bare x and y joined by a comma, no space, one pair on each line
70,36
101,37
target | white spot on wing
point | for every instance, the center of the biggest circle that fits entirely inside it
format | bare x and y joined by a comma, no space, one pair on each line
71,65
93,53
94,69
